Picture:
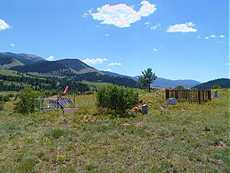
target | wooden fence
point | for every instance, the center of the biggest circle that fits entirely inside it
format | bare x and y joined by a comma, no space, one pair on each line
198,96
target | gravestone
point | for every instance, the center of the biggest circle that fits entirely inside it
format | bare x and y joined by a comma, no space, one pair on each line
145,109
172,101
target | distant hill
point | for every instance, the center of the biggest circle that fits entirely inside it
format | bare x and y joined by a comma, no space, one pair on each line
223,83
167,83
9,60
66,67
161,82
6,62
109,73
73,69
77,70
105,77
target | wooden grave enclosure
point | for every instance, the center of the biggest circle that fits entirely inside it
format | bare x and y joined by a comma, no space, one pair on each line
198,96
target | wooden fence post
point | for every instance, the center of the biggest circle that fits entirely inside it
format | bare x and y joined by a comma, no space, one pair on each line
199,95
167,94
209,95
176,94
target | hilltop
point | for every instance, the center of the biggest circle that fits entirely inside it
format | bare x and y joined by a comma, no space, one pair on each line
223,83
9,60
73,69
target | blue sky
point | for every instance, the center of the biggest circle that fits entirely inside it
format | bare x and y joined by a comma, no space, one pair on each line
178,39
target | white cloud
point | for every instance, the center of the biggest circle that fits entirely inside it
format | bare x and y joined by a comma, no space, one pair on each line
12,45
122,15
155,27
155,50
213,36
147,23
51,58
146,8
109,69
152,26
94,61
3,25
221,36
114,64
185,27
86,14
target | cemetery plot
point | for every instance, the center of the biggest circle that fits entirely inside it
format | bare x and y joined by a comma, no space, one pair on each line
199,96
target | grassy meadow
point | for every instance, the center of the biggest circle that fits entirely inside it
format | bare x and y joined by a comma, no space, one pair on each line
186,137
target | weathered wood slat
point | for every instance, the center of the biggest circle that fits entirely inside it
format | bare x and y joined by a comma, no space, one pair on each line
198,96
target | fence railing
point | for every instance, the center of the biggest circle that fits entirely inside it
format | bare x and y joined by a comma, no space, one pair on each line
198,96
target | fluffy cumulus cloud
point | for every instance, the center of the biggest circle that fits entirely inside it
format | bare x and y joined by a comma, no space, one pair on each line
185,27
114,64
3,25
94,61
122,15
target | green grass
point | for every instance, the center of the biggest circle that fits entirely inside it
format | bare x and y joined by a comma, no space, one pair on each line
8,72
182,138
97,84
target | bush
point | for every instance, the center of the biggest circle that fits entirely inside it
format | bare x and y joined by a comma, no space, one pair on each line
115,98
27,100
216,87
4,98
57,133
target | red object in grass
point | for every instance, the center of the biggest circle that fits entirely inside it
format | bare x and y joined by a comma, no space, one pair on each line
66,90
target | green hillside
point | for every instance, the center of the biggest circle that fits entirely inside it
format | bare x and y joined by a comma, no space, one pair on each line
222,83
73,69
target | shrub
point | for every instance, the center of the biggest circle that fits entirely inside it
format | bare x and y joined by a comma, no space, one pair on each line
115,98
4,98
27,164
57,133
27,98
216,87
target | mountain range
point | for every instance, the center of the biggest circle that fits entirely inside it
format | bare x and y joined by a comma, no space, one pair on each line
167,83
74,69
8,59
78,70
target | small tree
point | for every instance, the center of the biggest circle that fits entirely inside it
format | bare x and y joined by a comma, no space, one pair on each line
146,78
27,98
